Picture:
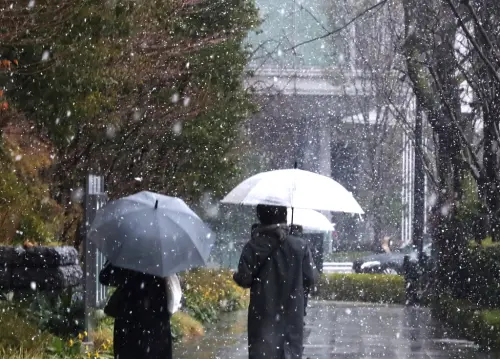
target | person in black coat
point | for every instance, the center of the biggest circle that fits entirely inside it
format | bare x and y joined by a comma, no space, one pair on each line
278,269
140,308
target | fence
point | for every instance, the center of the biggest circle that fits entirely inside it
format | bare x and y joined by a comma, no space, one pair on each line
337,267
95,294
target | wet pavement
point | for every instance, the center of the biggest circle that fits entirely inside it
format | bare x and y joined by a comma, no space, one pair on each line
229,333
337,330
351,331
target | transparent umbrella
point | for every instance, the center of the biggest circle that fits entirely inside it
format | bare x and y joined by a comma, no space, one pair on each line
310,220
294,188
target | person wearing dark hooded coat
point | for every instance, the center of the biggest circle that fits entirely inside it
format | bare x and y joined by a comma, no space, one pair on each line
278,269
140,308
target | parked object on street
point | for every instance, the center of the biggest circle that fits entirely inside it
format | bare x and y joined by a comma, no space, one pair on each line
388,263
294,188
152,233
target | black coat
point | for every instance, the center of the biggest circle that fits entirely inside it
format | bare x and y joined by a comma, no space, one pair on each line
278,269
142,320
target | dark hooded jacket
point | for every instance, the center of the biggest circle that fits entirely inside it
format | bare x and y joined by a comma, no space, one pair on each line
278,269
140,308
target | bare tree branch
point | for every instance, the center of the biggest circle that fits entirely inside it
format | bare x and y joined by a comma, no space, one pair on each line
343,27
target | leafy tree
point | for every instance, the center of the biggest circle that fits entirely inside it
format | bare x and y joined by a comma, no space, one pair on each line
27,213
148,94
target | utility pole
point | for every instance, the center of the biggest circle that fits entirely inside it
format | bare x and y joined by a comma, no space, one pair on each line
419,184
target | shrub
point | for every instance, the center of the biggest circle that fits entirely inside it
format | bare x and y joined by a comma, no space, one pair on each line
102,337
19,333
27,211
479,276
186,327
377,288
470,321
59,313
208,292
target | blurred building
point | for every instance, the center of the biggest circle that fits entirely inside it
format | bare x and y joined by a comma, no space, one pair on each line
311,90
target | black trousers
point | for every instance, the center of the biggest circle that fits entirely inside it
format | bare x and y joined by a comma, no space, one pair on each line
136,339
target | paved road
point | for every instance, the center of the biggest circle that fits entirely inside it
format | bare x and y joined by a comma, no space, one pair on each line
353,331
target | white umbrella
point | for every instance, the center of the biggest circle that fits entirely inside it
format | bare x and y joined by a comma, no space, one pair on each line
294,188
310,219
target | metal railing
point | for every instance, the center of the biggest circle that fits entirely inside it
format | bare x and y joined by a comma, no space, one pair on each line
337,267
95,294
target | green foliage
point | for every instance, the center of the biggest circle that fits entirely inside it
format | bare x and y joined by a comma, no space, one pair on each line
470,321
185,326
26,210
207,293
59,313
74,82
377,288
478,276
34,228
59,348
18,331
486,242
470,212
104,96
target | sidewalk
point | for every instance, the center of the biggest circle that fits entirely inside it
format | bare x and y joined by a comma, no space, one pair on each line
353,331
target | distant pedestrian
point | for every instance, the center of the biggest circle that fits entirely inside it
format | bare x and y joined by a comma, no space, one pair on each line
278,269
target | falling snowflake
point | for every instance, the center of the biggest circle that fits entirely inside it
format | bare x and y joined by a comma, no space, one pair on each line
77,195
45,55
175,98
177,128
111,131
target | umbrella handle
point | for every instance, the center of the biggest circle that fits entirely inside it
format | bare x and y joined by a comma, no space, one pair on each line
291,223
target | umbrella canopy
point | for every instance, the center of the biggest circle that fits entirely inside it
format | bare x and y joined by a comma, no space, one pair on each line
310,220
296,189
151,233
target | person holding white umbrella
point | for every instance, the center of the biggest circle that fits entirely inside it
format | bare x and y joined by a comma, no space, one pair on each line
278,269
277,266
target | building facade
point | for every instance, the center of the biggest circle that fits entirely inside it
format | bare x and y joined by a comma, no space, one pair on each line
311,89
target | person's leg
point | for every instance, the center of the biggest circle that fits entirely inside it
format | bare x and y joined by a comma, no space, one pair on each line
157,340
121,339
117,339
127,339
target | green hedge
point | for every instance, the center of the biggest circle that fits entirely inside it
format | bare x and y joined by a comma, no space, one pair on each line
375,288
471,321
479,276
